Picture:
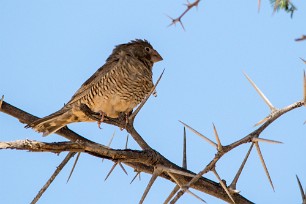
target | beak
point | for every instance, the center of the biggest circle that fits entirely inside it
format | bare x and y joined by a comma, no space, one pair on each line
155,56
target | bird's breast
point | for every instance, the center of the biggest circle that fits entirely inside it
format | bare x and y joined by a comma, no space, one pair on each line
120,91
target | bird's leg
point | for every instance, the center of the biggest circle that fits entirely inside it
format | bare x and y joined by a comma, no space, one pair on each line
102,114
126,118
127,115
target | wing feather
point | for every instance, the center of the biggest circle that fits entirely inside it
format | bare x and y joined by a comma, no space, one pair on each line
95,78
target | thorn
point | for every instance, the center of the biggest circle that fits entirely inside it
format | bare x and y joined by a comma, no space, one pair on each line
173,192
303,60
74,164
127,140
174,21
263,164
113,167
184,165
110,141
1,101
222,184
138,173
122,167
266,140
155,174
303,194
199,134
262,121
235,180
181,23
196,196
184,188
304,89
219,146
259,2
175,171
133,115
111,170
266,100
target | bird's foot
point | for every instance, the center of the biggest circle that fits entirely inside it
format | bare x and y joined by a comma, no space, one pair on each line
102,114
124,116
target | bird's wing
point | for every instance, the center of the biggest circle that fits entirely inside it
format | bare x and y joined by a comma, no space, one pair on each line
86,86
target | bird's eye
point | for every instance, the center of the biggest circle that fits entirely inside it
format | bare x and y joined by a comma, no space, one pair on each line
147,49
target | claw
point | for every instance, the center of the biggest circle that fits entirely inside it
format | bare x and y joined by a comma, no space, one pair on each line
102,114
126,120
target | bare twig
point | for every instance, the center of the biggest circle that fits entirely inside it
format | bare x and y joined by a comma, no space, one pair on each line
188,7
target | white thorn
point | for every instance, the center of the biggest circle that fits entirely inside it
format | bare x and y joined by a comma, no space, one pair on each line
223,185
262,121
219,146
266,100
184,188
199,134
175,171
266,140
263,164
155,174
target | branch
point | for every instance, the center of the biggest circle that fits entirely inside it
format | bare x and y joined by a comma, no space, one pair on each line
140,161
248,138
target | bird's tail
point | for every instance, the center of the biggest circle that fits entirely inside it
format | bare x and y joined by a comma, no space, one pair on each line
53,122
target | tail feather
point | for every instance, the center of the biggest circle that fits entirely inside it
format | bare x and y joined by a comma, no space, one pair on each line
53,122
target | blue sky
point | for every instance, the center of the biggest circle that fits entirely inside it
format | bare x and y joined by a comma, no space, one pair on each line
49,48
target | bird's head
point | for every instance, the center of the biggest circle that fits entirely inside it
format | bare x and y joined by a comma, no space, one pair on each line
140,49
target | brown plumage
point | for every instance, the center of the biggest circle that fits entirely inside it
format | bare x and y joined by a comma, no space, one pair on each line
118,86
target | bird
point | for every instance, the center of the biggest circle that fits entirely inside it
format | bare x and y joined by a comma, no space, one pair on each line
116,87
